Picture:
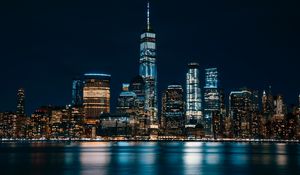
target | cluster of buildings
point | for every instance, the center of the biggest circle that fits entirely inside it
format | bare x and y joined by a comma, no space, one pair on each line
191,111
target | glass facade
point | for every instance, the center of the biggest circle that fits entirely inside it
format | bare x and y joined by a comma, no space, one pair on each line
173,107
96,95
77,92
193,96
21,102
148,69
242,104
126,100
211,98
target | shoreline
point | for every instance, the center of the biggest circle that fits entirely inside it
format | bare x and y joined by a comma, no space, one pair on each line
159,140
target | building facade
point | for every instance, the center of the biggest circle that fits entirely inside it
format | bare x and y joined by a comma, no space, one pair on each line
242,105
212,99
96,95
21,102
173,109
193,96
77,92
148,69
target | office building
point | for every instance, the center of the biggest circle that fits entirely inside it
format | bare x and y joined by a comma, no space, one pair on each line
21,102
77,92
242,104
96,96
194,114
126,100
173,117
211,99
148,70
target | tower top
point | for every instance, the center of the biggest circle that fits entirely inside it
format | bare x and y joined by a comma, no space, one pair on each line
148,16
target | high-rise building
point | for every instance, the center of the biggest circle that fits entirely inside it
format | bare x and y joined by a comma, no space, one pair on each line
148,69
96,95
242,104
267,104
137,85
211,98
21,102
279,107
173,108
126,100
77,92
193,96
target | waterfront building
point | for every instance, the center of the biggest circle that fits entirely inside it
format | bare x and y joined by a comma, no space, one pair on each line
126,100
59,122
148,70
137,85
114,125
194,114
267,104
242,104
8,125
173,118
279,106
77,92
77,122
212,100
21,102
40,123
96,96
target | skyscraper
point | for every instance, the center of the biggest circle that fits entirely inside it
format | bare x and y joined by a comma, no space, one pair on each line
77,92
267,104
242,104
21,102
137,85
173,107
96,95
211,98
126,100
148,69
193,96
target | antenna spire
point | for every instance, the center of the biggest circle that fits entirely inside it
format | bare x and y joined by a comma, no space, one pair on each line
148,15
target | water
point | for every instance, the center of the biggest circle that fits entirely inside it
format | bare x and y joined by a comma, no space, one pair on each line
131,158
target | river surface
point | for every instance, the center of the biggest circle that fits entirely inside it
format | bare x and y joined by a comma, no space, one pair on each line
142,158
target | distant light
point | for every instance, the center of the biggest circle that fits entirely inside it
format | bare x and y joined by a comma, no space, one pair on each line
96,74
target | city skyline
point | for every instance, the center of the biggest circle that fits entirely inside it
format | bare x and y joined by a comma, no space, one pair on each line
35,76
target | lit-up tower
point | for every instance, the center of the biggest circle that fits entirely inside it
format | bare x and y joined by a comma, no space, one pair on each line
21,102
193,96
126,100
267,104
77,92
173,107
96,95
242,105
148,69
211,98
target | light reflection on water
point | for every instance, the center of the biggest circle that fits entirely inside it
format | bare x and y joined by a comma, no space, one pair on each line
185,158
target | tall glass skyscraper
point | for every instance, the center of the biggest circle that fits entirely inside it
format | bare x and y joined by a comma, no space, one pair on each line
211,98
77,92
242,104
96,95
173,107
148,69
193,96
21,102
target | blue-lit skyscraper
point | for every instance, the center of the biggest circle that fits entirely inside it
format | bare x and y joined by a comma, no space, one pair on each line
211,98
77,92
148,69
193,96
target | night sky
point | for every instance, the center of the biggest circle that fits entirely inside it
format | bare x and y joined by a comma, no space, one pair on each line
43,45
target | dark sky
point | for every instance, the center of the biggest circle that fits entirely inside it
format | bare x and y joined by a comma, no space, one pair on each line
44,44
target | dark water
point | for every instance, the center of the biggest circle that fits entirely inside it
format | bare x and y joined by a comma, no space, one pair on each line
149,158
